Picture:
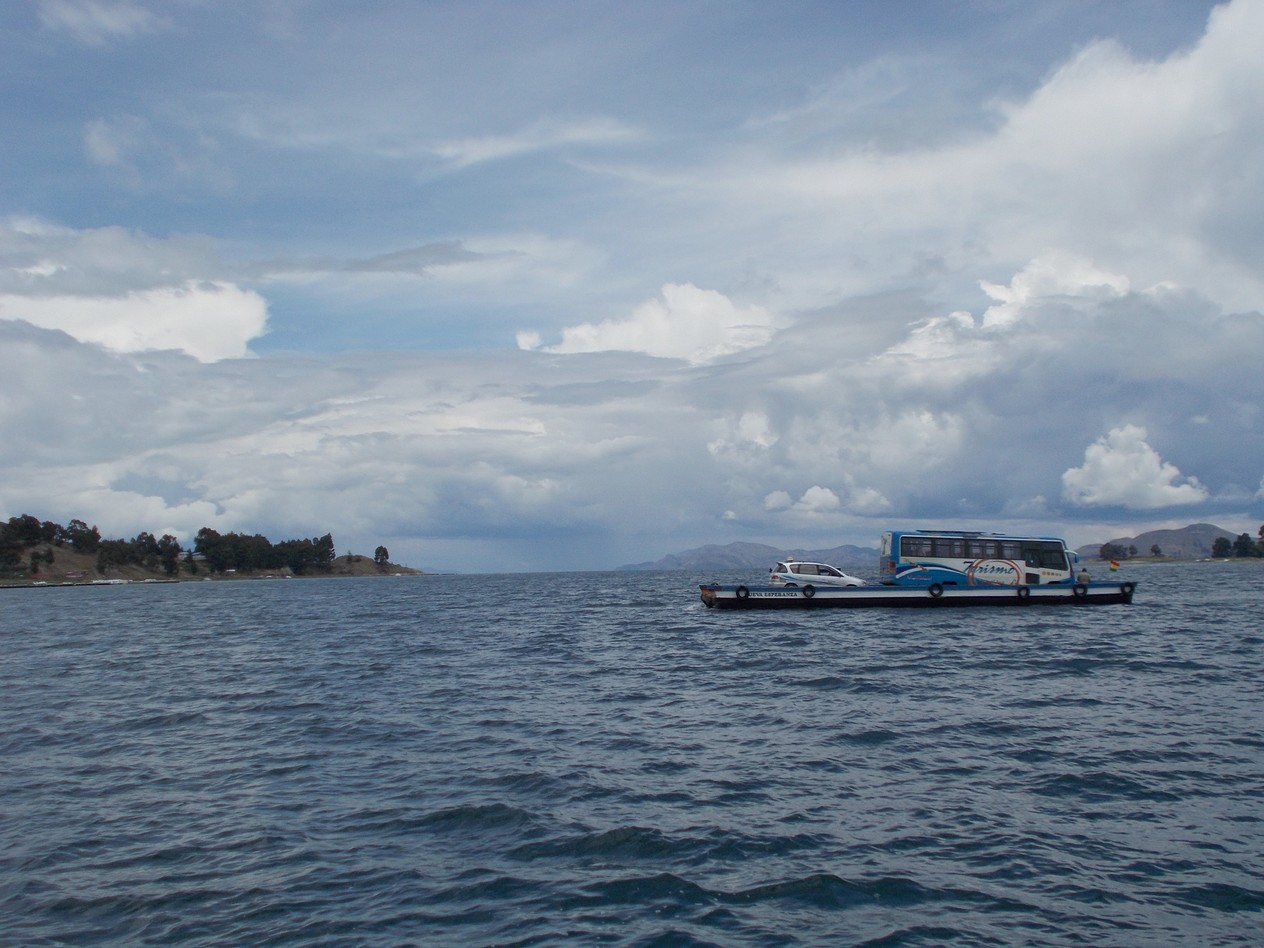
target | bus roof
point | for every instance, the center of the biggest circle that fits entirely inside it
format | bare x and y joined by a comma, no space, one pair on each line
979,533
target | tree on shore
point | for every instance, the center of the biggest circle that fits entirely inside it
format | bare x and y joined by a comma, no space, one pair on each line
169,554
381,556
1245,546
1114,551
83,539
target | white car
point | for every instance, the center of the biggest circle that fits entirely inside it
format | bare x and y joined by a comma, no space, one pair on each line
799,573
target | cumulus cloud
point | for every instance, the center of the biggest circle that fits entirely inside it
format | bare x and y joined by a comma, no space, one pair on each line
685,323
209,321
817,502
817,499
125,291
1055,274
777,500
1122,469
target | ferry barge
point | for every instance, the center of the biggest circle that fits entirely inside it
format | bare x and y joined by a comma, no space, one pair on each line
944,568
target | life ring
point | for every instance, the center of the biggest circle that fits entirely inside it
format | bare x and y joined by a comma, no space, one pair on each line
1080,590
809,591
1024,592
936,590
1127,589
742,592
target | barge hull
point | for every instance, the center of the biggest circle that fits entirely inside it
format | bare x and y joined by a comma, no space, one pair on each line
716,596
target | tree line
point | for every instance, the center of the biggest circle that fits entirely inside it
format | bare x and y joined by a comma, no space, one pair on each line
28,543
1222,548
240,553
1243,546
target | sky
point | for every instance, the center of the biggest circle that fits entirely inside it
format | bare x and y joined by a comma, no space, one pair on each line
524,286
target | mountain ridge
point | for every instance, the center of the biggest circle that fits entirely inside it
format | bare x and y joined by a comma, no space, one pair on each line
1184,543
1190,542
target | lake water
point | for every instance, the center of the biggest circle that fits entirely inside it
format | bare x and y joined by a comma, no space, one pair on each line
597,759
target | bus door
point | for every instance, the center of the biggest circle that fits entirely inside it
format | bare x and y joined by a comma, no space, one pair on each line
1031,558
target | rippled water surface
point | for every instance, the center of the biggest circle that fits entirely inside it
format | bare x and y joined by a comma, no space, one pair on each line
596,758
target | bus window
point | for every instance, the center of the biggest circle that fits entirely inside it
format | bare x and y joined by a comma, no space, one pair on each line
915,546
982,549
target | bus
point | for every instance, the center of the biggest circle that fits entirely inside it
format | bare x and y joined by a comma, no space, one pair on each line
964,558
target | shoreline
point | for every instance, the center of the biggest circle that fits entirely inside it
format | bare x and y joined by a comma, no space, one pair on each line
60,584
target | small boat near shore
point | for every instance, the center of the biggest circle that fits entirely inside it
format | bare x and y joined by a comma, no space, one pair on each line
941,568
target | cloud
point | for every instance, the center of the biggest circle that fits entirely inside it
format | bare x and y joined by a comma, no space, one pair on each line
151,155
864,318
686,323
412,445
482,460
107,143
1137,164
126,291
1055,274
417,260
1122,469
39,258
542,136
97,22
421,261
823,502
817,499
209,321
777,500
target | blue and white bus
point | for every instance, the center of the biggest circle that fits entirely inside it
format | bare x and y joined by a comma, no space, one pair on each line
963,558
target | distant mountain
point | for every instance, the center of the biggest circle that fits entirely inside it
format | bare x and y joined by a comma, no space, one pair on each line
759,556
1192,542
1187,543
